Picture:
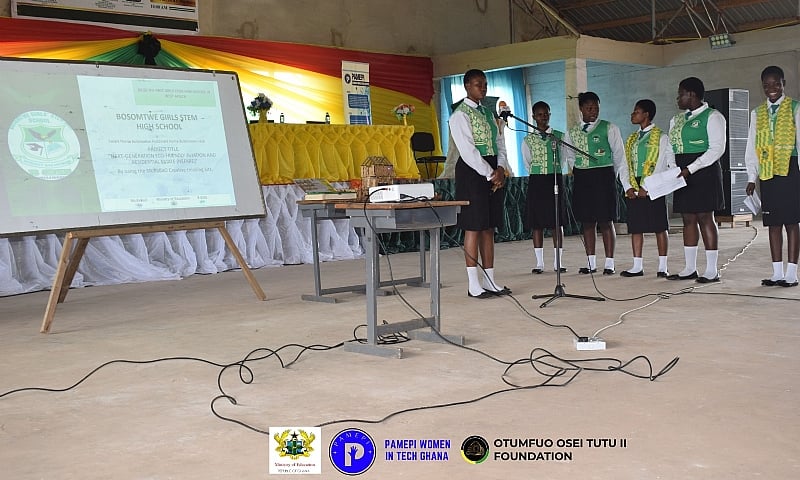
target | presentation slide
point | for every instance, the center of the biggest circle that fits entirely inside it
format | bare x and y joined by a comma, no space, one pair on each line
91,145
148,137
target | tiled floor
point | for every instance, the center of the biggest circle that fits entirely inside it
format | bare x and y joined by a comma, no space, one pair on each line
728,408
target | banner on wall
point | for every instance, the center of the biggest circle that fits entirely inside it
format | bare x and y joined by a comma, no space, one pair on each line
179,16
355,85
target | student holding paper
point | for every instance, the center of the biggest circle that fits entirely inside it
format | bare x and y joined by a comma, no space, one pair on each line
771,156
648,151
698,136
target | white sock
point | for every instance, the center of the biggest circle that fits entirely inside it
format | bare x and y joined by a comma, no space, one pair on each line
777,271
637,265
558,254
711,263
610,263
791,273
690,254
475,288
592,262
539,252
488,281
662,263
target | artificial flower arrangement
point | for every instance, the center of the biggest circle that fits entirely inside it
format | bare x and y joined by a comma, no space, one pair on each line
261,103
403,110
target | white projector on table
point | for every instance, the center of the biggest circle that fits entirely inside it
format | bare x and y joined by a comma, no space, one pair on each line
401,193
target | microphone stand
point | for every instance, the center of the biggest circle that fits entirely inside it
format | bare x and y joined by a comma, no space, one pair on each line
559,291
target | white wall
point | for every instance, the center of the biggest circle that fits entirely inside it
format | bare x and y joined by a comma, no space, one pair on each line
421,27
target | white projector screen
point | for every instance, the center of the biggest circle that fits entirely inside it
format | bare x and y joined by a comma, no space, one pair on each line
85,145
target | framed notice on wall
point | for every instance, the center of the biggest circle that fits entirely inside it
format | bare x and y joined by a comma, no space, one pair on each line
154,15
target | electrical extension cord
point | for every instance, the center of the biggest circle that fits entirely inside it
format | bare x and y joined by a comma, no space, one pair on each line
590,343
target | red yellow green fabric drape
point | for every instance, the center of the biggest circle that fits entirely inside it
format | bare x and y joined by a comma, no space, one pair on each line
303,81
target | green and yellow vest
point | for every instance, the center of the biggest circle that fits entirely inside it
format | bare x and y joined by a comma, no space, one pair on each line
542,157
642,161
595,143
484,128
775,138
690,136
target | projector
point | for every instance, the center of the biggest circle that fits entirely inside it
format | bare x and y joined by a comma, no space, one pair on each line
401,193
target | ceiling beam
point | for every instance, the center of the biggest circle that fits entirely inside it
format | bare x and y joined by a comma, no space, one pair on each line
745,27
581,4
768,23
723,4
621,22
563,21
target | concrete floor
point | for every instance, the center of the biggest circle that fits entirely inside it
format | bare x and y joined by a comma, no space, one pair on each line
728,409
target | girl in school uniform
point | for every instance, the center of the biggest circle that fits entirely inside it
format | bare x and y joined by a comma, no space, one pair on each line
648,151
771,157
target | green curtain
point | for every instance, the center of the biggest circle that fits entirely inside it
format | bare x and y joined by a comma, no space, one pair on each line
130,56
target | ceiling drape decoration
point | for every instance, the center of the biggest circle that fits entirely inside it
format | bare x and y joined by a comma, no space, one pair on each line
303,81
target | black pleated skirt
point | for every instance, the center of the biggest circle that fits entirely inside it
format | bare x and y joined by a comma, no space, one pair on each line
780,197
703,191
594,194
540,204
647,216
485,209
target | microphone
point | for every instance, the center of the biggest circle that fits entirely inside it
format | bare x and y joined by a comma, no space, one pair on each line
505,110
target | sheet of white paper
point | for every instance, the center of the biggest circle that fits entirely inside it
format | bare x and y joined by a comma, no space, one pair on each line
660,184
753,203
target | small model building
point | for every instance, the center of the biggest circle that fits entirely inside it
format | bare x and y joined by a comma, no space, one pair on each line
375,171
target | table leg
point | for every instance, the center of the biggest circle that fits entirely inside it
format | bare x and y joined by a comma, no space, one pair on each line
435,286
372,285
317,297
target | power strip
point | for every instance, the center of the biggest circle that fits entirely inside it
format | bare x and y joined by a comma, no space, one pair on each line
590,343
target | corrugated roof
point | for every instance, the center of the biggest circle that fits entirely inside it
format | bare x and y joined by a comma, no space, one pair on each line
675,20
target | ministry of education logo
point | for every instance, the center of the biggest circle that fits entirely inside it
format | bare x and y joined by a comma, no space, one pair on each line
44,145
352,451
294,445
475,449
294,450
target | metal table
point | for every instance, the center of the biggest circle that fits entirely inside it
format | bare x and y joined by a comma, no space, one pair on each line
319,210
377,218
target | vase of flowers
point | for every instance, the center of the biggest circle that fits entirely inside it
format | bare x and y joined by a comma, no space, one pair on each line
402,111
260,106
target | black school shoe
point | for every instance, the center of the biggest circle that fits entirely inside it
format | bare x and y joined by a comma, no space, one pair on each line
585,270
628,274
707,280
768,282
676,276
784,283
499,293
662,274
608,271
537,271
483,294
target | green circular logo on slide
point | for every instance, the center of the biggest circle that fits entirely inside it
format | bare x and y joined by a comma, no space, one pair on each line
44,145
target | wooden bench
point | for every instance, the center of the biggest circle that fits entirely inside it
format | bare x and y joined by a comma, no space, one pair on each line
732,219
